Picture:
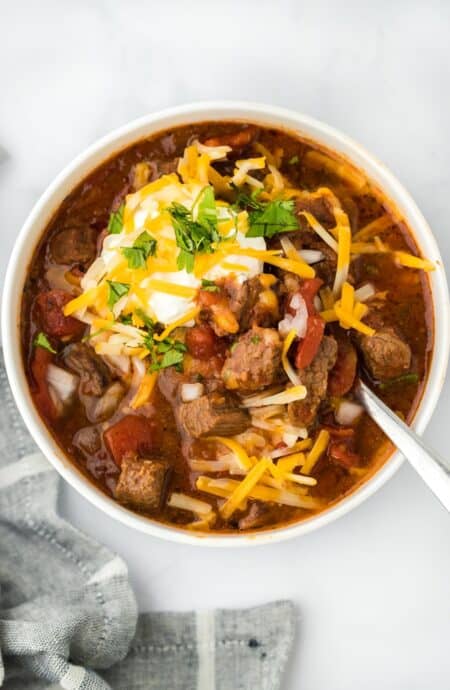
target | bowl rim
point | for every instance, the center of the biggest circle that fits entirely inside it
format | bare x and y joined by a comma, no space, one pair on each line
281,118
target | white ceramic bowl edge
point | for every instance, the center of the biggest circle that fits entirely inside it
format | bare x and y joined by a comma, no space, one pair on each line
114,142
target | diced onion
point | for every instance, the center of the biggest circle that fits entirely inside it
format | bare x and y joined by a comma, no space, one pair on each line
348,412
118,363
297,321
107,404
364,292
290,439
63,382
191,391
311,256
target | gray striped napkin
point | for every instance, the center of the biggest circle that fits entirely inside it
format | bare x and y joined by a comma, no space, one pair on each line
68,616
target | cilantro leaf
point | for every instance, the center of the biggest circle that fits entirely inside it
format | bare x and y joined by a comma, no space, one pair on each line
142,248
209,286
195,236
293,160
171,358
248,201
115,223
41,340
172,352
206,208
116,291
277,216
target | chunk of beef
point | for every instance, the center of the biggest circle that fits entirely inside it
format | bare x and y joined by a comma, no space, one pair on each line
315,378
74,246
216,413
93,372
169,382
385,354
50,306
88,440
258,515
319,206
255,360
242,299
141,482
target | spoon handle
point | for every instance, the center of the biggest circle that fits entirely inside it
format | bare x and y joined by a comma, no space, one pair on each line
434,470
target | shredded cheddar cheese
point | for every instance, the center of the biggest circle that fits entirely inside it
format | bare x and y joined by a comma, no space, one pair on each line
145,390
287,366
319,447
239,452
242,491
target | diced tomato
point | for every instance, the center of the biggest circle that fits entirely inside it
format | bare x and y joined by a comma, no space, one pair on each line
308,290
343,374
50,307
309,345
131,433
340,453
40,391
201,341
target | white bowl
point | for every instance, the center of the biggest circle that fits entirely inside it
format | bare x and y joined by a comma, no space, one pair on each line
133,132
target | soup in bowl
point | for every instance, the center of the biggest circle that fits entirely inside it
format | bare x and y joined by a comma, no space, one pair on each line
197,311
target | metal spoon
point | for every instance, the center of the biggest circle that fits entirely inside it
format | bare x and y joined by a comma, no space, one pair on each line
434,470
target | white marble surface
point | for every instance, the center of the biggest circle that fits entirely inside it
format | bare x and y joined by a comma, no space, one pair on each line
372,589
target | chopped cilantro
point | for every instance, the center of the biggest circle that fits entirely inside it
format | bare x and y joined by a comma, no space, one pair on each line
209,285
126,319
115,223
138,254
41,340
195,236
248,201
166,353
277,216
255,339
267,219
116,291
293,160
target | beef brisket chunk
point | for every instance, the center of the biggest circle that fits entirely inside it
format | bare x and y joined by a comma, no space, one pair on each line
141,482
74,246
216,413
386,355
315,378
254,361
93,372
